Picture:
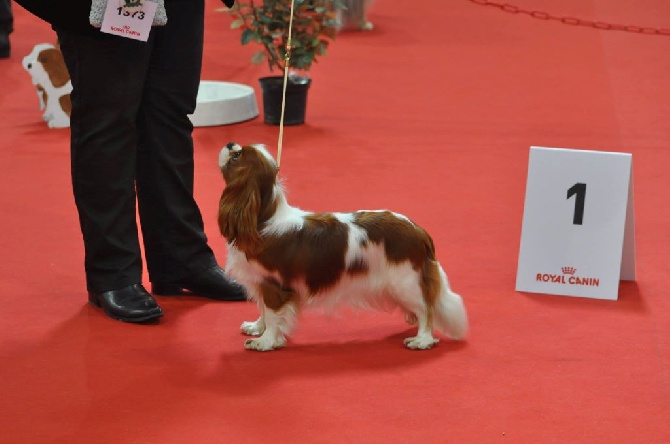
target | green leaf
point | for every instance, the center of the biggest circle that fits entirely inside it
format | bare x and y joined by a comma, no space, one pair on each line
247,36
258,57
237,23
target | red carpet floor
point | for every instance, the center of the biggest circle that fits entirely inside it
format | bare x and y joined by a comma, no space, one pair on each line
432,114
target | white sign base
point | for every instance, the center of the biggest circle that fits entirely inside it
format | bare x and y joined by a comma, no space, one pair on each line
577,237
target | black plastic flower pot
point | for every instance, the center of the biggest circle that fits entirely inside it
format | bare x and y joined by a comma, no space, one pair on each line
296,99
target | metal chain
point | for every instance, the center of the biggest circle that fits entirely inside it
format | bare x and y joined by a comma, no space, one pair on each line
573,21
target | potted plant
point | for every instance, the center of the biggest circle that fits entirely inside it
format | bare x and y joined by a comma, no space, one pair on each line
266,23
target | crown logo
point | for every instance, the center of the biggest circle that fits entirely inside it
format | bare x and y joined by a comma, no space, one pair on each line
568,270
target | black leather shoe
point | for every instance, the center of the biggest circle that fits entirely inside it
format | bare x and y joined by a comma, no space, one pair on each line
5,48
211,283
129,304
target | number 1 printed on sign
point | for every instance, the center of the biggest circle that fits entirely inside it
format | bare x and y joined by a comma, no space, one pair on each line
580,190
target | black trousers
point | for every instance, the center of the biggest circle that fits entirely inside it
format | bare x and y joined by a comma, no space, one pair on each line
131,143
6,17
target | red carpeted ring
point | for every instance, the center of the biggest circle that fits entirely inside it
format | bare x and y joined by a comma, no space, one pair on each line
431,114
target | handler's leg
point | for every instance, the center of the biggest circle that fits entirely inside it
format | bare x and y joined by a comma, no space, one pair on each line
174,238
107,75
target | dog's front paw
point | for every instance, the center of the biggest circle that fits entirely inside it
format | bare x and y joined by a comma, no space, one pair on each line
264,343
255,328
422,342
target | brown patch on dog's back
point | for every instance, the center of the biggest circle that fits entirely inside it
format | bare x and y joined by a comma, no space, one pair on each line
315,252
402,239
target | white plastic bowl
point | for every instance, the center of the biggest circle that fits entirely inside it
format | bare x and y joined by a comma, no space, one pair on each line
223,103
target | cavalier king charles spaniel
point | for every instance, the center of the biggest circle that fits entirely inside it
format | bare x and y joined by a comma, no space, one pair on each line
289,259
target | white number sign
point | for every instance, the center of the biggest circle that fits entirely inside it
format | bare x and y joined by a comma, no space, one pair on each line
132,25
577,237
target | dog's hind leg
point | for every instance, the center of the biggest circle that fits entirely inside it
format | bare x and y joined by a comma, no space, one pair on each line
424,338
414,295
417,313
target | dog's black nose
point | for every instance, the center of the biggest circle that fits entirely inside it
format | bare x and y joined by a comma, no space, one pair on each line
230,145
30,65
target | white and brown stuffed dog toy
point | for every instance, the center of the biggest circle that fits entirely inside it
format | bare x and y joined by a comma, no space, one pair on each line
50,76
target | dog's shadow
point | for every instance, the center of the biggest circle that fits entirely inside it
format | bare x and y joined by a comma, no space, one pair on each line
255,371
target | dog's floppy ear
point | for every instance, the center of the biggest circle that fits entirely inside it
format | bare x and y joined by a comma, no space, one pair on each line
239,207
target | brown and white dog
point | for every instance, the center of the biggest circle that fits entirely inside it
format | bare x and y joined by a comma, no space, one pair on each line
288,258
50,76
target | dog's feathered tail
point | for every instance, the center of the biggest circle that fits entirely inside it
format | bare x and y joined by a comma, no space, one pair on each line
449,315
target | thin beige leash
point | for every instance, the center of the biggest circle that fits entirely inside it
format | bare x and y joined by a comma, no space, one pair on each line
287,58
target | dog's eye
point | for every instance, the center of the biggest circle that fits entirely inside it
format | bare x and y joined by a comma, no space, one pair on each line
236,155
